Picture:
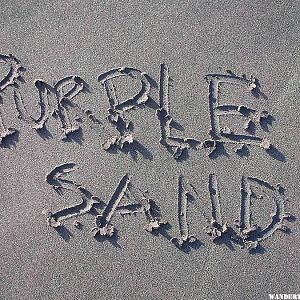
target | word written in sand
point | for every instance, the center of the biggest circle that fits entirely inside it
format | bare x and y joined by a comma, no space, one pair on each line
58,101
128,199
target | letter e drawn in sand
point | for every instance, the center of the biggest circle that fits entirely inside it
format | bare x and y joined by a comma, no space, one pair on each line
224,135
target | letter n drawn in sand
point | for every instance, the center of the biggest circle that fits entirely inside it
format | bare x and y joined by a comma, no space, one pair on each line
217,227
224,135
184,191
252,234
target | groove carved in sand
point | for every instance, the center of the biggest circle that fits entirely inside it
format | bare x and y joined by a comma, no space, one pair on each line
125,189
128,199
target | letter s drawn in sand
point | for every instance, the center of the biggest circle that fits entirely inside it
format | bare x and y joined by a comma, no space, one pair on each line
56,178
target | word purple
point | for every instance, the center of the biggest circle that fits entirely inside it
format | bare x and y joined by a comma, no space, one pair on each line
66,89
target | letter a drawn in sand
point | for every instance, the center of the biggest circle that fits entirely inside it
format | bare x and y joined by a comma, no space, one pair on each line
142,204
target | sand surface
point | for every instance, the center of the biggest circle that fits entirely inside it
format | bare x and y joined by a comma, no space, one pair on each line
152,217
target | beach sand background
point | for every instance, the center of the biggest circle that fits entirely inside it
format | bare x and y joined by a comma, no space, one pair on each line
55,39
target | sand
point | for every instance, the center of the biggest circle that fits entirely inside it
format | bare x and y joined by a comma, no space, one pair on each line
149,150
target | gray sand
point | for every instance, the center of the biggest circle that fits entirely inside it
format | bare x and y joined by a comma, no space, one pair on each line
54,40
